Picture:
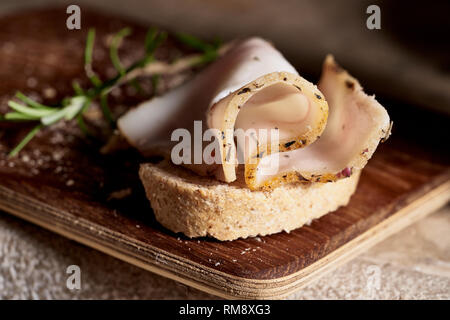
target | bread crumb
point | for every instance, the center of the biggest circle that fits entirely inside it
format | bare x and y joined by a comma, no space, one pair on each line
70,183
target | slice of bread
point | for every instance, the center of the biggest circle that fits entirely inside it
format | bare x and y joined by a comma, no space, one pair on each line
200,206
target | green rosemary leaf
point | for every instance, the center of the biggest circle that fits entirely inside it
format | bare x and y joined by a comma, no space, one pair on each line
82,125
114,49
75,106
154,41
105,108
88,58
29,111
80,119
149,39
25,140
209,56
30,102
216,42
77,88
194,42
19,116
89,47
54,117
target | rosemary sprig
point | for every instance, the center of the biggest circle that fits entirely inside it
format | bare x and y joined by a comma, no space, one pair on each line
30,135
210,50
27,109
114,52
88,58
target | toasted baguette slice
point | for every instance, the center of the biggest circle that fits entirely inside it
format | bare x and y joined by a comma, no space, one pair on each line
200,206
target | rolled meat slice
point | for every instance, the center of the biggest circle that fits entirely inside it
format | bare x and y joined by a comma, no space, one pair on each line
252,88
356,124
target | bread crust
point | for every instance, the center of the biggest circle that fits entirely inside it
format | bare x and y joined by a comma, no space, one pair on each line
200,206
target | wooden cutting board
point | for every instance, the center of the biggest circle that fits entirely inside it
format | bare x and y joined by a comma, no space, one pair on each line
62,183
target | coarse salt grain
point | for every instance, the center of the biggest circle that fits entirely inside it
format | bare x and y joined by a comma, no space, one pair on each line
49,93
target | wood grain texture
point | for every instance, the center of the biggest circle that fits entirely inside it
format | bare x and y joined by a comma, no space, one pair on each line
62,183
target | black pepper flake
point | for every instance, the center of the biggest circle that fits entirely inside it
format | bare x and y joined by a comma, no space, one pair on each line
303,141
256,58
244,91
284,79
350,84
300,89
276,128
288,144
223,135
239,106
301,178
259,155
284,177
318,96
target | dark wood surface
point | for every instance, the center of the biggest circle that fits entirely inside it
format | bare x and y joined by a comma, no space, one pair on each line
63,181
